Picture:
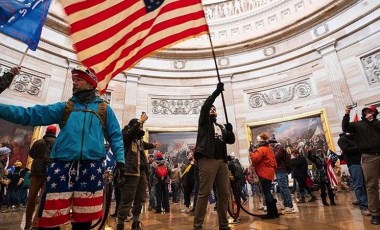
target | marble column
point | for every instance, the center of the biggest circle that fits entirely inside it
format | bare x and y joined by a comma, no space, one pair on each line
130,100
229,101
339,88
68,87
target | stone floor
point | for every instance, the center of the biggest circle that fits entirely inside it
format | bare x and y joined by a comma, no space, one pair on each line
308,216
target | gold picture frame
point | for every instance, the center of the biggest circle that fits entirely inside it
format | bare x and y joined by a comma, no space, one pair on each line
286,128
175,142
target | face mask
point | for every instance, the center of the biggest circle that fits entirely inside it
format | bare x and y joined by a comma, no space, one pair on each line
140,134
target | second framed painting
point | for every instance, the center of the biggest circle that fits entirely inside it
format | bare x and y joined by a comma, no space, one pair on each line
296,132
175,142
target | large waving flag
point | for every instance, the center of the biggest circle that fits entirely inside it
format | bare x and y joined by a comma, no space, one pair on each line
24,19
113,35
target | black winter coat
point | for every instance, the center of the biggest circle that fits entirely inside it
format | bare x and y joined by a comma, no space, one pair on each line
367,133
205,145
350,149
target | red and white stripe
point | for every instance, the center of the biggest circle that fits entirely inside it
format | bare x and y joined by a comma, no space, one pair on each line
86,206
331,174
113,35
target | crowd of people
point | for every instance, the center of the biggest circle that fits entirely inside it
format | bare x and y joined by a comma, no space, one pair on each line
66,179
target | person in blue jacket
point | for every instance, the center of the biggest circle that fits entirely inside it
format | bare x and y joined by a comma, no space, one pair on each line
75,175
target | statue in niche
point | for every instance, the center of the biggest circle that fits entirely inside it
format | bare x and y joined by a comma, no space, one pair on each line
209,14
237,7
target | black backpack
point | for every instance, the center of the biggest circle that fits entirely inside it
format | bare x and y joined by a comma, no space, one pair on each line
239,172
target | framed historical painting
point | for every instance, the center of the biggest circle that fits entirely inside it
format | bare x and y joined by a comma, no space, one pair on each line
300,131
18,138
175,142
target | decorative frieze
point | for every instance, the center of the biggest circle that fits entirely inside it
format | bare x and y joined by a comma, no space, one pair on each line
371,67
233,7
280,95
25,83
176,106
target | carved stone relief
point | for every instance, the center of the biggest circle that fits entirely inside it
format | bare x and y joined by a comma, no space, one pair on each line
179,64
371,67
270,51
233,7
224,61
176,106
26,83
321,29
281,94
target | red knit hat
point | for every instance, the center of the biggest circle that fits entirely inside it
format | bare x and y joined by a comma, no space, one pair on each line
51,129
86,74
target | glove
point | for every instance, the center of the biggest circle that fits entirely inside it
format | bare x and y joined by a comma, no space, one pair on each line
220,87
119,173
228,126
119,169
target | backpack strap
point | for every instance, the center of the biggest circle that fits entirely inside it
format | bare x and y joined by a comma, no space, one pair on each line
101,114
66,113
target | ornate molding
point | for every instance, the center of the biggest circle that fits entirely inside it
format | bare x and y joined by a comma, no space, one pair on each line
269,51
179,64
280,94
176,106
26,83
321,30
371,67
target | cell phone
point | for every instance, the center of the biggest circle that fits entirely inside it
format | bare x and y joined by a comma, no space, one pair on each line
354,105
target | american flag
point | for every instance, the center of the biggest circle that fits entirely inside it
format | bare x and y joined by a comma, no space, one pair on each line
111,36
332,158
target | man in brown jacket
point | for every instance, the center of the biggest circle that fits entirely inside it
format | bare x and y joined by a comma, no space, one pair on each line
40,153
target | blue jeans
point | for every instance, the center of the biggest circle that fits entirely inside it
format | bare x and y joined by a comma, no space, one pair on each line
152,197
244,191
356,173
175,187
162,196
283,183
266,186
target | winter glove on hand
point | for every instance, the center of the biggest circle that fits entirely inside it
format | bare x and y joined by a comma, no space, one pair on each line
220,87
228,127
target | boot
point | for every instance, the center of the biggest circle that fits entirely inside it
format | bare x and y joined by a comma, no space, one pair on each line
313,197
137,225
272,211
324,202
120,226
332,199
302,199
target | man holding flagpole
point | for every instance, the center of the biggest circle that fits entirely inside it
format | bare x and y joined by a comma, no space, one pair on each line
211,155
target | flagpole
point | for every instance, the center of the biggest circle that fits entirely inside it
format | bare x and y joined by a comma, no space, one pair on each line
23,56
217,73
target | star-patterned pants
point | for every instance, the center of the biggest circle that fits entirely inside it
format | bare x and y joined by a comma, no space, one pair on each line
72,185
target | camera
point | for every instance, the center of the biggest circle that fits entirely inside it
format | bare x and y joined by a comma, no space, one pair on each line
354,105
